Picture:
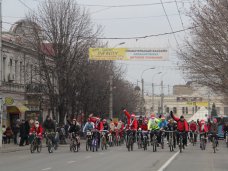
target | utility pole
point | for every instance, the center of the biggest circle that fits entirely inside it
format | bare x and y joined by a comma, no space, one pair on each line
142,97
111,97
1,72
152,97
209,105
162,97
1,106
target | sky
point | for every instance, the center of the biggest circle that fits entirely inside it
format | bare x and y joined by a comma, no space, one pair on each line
130,18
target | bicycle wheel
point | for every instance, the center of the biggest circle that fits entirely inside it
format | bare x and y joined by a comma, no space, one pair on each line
144,143
87,145
50,150
128,144
132,144
162,143
39,147
32,147
181,145
214,145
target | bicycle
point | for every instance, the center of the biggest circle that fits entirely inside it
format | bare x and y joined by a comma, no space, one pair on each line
95,140
192,138
36,144
181,144
202,141
154,141
103,140
88,140
74,144
130,140
162,139
139,140
50,144
171,140
110,139
226,138
145,139
214,142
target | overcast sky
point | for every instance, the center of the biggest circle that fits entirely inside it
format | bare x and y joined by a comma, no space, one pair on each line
129,18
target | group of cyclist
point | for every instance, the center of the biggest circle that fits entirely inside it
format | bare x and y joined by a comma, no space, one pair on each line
153,125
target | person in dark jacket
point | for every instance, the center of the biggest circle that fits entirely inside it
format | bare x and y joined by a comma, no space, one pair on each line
27,130
182,126
49,125
16,130
49,128
74,131
22,133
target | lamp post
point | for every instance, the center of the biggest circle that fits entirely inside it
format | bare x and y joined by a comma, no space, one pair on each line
153,89
142,97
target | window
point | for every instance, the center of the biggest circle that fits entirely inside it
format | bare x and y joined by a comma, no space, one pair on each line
193,110
183,110
167,109
4,69
226,111
174,110
31,72
186,109
16,71
21,72
11,66
218,110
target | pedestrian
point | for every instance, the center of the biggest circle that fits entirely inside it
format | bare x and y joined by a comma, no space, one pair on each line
3,134
27,129
22,133
16,130
9,134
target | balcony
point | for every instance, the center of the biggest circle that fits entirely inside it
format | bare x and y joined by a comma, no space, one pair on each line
12,87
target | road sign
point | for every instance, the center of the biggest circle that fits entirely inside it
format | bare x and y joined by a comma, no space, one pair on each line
9,101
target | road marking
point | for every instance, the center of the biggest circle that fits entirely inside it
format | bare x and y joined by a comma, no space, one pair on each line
87,157
162,168
49,168
69,162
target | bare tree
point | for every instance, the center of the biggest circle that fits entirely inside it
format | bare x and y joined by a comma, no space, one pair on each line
62,33
205,54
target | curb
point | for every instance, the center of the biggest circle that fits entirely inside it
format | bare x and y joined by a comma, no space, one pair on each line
23,149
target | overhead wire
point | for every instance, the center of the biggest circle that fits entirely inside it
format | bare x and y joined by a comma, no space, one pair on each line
132,5
128,38
25,5
182,23
169,22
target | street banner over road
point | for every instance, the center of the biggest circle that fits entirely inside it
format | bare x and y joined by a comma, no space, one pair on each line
200,104
128,54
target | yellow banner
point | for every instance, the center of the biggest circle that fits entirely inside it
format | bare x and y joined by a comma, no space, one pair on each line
107,54
113,54
205,104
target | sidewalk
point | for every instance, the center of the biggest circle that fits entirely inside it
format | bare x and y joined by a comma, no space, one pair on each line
7,148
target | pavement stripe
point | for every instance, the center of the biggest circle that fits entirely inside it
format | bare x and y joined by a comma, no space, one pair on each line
87,157
49,168
69,162
162,168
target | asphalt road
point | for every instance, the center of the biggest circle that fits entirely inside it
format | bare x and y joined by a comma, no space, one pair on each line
116,159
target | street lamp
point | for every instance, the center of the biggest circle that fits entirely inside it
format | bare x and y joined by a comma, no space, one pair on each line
153,89
142,97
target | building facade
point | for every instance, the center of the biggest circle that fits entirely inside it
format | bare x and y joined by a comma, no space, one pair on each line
20,82
186,100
